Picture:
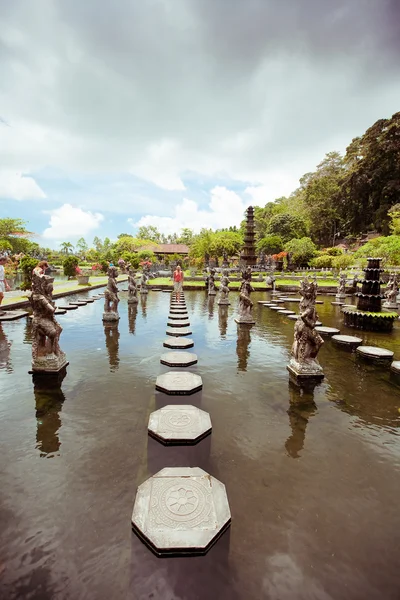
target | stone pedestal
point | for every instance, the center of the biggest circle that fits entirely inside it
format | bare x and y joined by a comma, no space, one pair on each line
212,293
340,296
305,372
180,511
390,305
244,320
133,300
223,302
110,316
51,363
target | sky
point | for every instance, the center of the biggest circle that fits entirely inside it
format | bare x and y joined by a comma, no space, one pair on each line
180,113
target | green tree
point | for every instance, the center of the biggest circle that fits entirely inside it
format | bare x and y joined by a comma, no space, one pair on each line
98,244
301,250
394,214
225,241
66,247
82,246
27,264
287,226
13,234
186,236
70,263
270,244
149,233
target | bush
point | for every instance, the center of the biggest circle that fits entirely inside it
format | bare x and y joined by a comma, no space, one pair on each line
69,264
301,250
322,262
270,244
334,251
343,261
104,266
27,264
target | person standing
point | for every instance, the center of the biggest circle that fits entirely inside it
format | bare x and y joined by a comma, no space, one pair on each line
178,282
4,287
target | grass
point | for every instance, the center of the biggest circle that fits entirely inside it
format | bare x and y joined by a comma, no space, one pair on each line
321,282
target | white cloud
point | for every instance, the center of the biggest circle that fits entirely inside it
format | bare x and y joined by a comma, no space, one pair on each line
226,208
71,222
18,186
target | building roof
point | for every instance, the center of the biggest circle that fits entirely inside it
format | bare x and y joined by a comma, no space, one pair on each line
167,248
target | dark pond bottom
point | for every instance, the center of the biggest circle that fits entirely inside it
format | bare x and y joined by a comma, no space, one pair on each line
312,479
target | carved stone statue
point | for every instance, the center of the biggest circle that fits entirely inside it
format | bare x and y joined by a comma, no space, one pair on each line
224,289
206,277
132,287
270,281
261,260
144,287
225,262
212,291
341,289
392,289
307,342
47,357
111,299
245,304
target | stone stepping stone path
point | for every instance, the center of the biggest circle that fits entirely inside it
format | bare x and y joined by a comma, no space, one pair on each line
13,315
348,341
395,367
178,359
175,424
78,303
178,323
375,354
275,307
337,303
293,317
68,307
178,317
176,343
327,330
284,311
181,511
178,331
179,383
89,300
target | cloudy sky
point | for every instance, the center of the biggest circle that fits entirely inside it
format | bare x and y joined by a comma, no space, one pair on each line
180,113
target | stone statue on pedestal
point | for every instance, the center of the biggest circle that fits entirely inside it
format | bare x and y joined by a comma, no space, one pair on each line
341,289
392,289
111,299
132,287
212,291
270,281
47,357
206,277
307,342
224,289
144,288
225,262
245,303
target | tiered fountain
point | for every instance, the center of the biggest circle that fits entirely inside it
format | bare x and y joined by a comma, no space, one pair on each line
369,314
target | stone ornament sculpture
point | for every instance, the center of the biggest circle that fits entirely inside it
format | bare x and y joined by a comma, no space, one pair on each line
245,303
144,288
307,342
270,281
212,291
392,289
206,277
111,299
132,287
224,289
47,357
341,289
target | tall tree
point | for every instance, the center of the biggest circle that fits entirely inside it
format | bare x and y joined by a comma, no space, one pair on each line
66,247
149,233
82,246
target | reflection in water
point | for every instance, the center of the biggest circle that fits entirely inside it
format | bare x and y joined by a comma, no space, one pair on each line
302,407
242,346
223,320
5,346
211,300
49,399
132,313
112,344
143,303
28,331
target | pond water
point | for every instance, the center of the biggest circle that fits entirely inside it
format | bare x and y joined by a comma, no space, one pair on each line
313,487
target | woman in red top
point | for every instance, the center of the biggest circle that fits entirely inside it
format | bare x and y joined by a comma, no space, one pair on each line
178,282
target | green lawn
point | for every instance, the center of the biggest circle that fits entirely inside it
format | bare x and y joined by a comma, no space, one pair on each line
236,284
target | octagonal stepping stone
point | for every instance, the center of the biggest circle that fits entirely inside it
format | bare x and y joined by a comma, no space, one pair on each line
13,315
179,383
178,305
348,341
178,323
181,511
60,311
178,359
293,317
327,330
178,331
89,300
337,303
318,323
275,307
178,317
78,303
167,291
284,311
375,354
175,424
176,343
395,367
67,307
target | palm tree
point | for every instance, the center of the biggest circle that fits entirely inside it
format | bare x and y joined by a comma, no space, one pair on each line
66,247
